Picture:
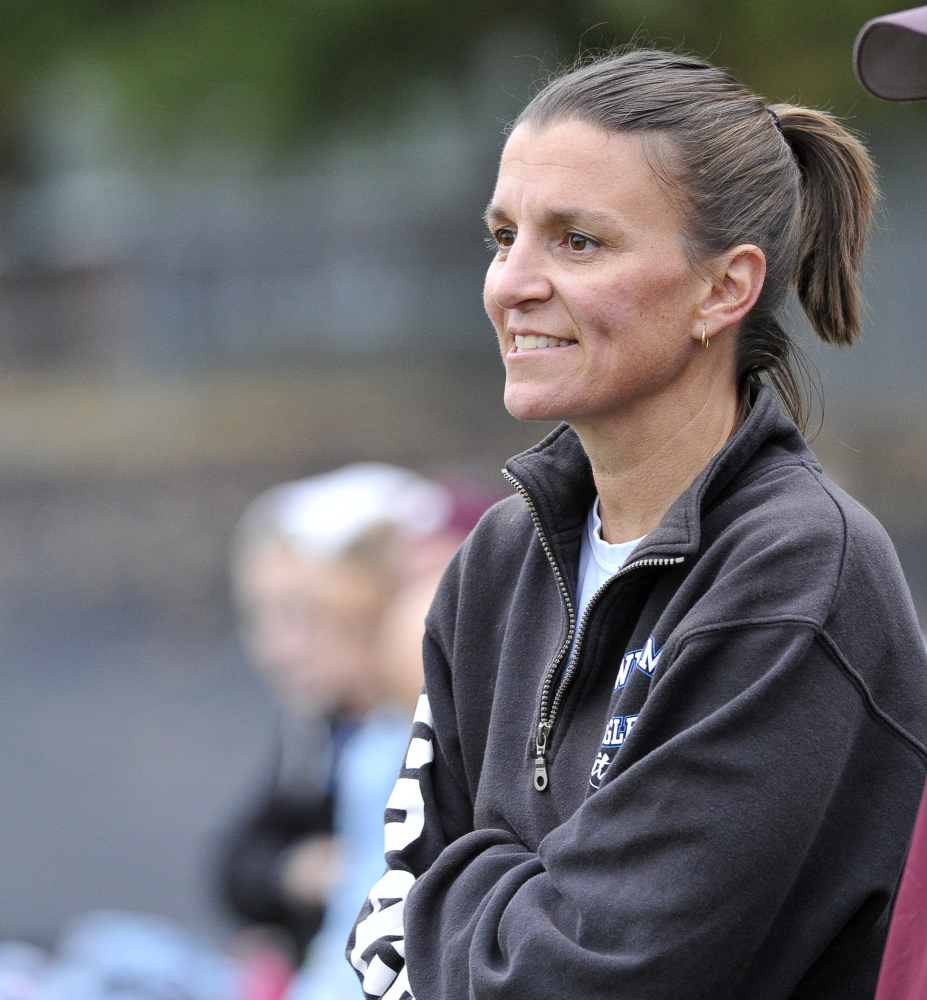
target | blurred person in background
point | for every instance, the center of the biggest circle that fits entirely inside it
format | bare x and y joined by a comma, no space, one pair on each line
314,565
891,62
332,577
366,771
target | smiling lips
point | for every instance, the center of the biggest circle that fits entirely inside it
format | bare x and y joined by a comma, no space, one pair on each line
532,342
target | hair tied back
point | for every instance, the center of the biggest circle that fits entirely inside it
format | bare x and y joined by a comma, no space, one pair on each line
805,202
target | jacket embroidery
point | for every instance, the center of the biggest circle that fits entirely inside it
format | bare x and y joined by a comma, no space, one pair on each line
616,732
644,660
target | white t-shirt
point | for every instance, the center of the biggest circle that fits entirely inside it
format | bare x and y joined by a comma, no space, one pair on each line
599,561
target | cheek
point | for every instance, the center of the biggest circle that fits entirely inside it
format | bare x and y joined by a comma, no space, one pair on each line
651,305
601,311
489,299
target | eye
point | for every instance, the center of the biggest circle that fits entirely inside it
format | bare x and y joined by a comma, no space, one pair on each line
500,239
504,237
578,241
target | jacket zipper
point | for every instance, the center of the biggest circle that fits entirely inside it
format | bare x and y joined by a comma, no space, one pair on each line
547,715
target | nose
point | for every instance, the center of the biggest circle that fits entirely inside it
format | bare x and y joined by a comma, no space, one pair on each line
519,278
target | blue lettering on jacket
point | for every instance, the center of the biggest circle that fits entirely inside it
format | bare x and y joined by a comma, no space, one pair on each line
616,732
644,660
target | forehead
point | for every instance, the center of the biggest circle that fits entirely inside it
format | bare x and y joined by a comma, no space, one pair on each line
571,166
275,572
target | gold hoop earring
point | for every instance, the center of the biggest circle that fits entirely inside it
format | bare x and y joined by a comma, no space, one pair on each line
704,337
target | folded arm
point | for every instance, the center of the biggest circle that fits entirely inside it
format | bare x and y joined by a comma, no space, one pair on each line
681,865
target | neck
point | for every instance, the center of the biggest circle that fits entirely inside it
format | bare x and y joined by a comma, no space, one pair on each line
645,457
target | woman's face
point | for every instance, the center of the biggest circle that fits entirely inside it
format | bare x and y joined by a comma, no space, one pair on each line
590,257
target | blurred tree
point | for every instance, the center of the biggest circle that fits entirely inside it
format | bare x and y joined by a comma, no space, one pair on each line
277,72
797,50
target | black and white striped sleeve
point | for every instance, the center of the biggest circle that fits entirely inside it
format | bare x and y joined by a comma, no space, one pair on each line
413,837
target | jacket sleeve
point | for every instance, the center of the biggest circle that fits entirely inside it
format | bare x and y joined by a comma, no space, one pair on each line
665,881
250,861
428,809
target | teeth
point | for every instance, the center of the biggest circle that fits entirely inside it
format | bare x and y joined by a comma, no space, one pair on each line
531,342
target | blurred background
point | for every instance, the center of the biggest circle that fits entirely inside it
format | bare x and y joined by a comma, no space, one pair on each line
239,244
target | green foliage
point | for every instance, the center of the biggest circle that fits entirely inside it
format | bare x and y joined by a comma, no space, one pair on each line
790,50
279,72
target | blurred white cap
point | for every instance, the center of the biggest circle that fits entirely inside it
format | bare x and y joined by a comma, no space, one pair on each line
326,514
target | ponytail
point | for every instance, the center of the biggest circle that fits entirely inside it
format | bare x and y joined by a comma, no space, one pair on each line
838,193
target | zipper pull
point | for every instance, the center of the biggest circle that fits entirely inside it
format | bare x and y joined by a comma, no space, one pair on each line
540,764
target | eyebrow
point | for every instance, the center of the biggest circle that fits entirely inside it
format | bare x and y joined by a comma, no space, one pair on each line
493,215
557,216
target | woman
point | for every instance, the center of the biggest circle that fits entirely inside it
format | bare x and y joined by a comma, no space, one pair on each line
672,737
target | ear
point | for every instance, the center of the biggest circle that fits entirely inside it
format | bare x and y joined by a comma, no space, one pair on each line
736,282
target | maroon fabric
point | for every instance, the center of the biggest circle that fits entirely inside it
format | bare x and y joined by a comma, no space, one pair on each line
470,501
904,965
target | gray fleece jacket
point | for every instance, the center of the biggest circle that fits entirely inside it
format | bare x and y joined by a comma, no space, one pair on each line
713,798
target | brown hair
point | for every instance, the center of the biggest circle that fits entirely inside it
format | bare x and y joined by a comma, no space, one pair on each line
790,180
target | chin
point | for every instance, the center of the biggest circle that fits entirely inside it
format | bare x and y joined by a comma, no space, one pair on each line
531,403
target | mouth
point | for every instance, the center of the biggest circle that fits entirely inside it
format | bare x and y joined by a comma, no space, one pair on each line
538,342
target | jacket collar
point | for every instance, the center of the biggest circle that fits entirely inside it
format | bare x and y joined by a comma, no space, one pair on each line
557,476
